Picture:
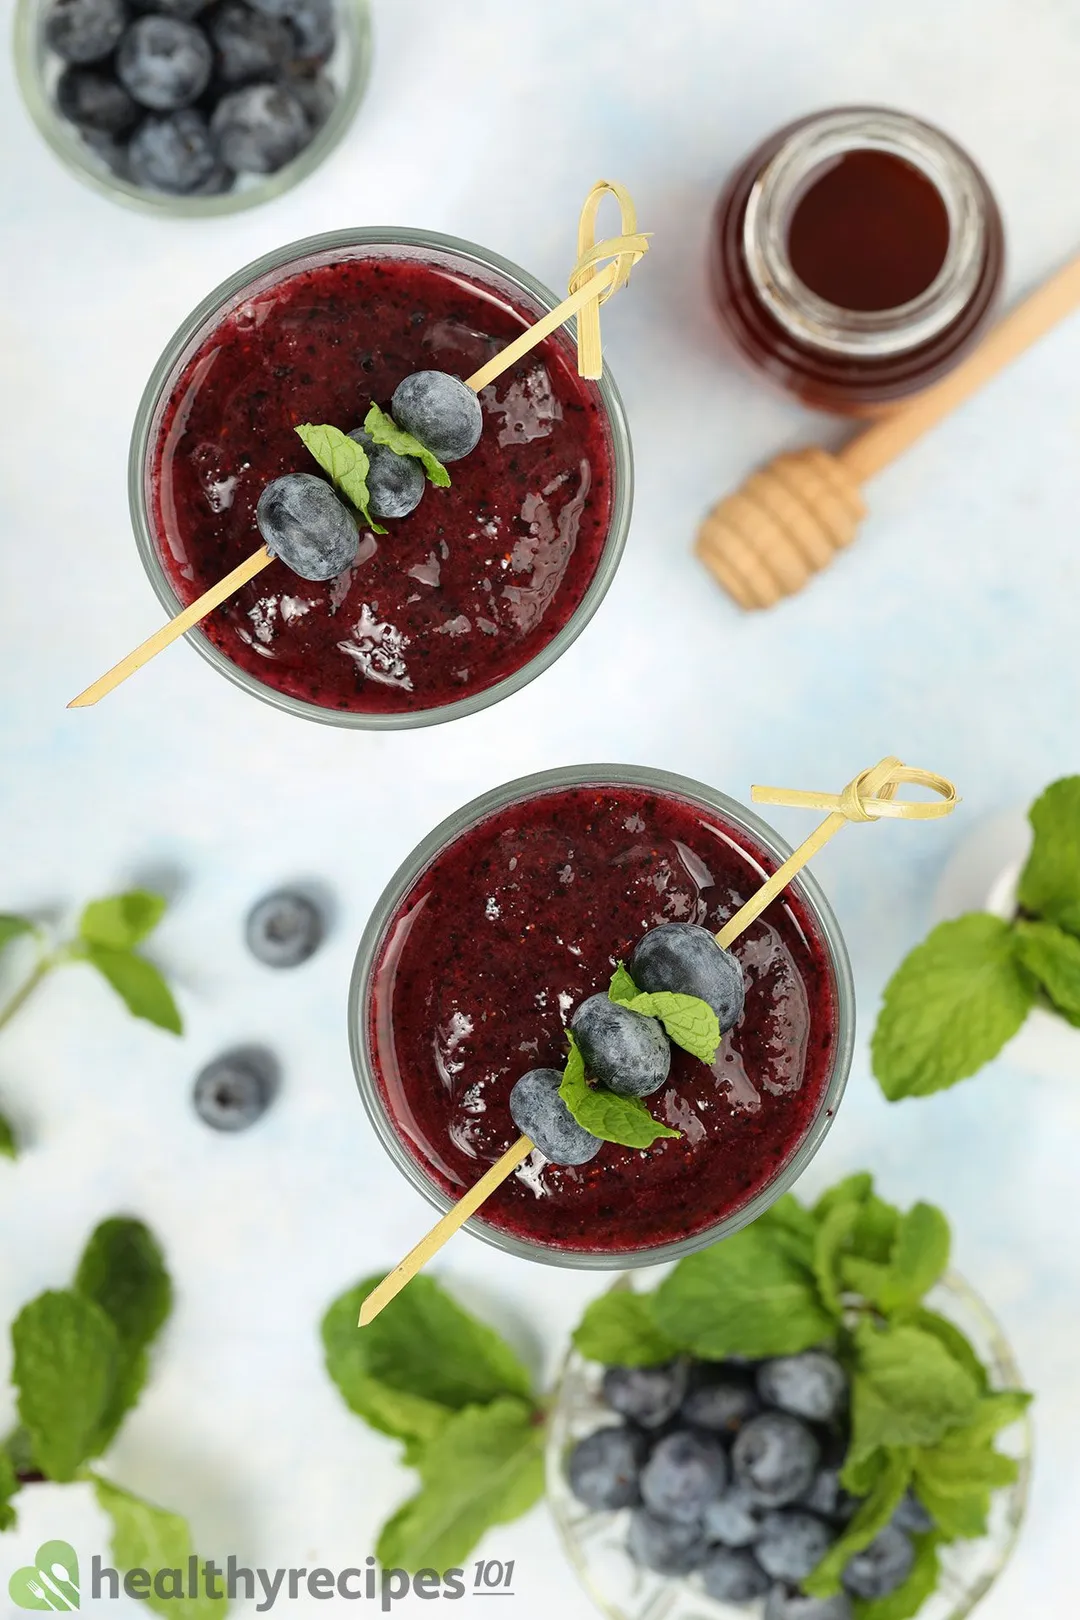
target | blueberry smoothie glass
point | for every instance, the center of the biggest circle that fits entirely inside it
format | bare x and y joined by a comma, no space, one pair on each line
473,594
513,911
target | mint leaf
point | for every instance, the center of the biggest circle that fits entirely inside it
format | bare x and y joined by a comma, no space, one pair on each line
907,1601
1050,882
994,1412
855,1189
345,462
791,1228
744,1296
485,1468
1054,958
618,1330
919,1258
384,430
871,1518
139,985
65,1362
123,919
9,1488
950,1007
9,1148
150,1538
625,1120
959,1516
906,1390
622,987
122,1270
12,927
422,1345
412,1418
832,1236
955,1469
956,1343
689,1021
875,1230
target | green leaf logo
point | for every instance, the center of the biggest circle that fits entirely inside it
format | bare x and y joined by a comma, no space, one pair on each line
51,1582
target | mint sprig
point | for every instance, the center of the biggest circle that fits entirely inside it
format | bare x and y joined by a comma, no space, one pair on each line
384,430
612,1118
108,932
923,1415
80,1360
957,998
345,462
428,1373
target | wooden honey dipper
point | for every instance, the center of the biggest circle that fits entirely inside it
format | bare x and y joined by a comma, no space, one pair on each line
791,517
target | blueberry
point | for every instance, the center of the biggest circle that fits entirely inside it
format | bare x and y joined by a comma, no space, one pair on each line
440,411
667,1548
317,95
734,1518
540,1113
302,521
812,1385
720,1401
733,1577
184,9
792,1543
912,1516
775,1457
176,154
828,1497
312,23
84,30
248,46
284,929
92,99
685,958
646,1395
623,1049
880,1568
112,152
685,1472
164,63
603,1468
395,483
784,1604
235,1090
260,128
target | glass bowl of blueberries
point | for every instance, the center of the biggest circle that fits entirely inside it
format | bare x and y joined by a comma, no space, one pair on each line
697,1489
192,107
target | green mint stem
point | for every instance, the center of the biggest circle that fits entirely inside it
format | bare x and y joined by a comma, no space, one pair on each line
44,967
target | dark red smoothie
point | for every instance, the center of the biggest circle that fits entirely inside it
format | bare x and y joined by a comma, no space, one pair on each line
469,587
511,927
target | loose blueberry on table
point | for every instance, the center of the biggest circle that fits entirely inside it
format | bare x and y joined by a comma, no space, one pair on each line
284,929
185,98
235,1090
722,1466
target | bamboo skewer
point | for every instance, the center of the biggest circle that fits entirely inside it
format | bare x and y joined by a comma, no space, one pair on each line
790,518
869,796
590,286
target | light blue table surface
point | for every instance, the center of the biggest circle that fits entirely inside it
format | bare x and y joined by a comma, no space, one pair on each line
948,635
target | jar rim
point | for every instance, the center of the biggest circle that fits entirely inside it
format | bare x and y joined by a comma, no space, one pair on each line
471,815
275,266
784,180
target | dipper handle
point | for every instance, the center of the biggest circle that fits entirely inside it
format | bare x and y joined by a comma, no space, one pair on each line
1018,330
791,517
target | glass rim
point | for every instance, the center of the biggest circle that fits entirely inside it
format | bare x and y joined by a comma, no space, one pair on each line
179,346
468,816
811,147
64,142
